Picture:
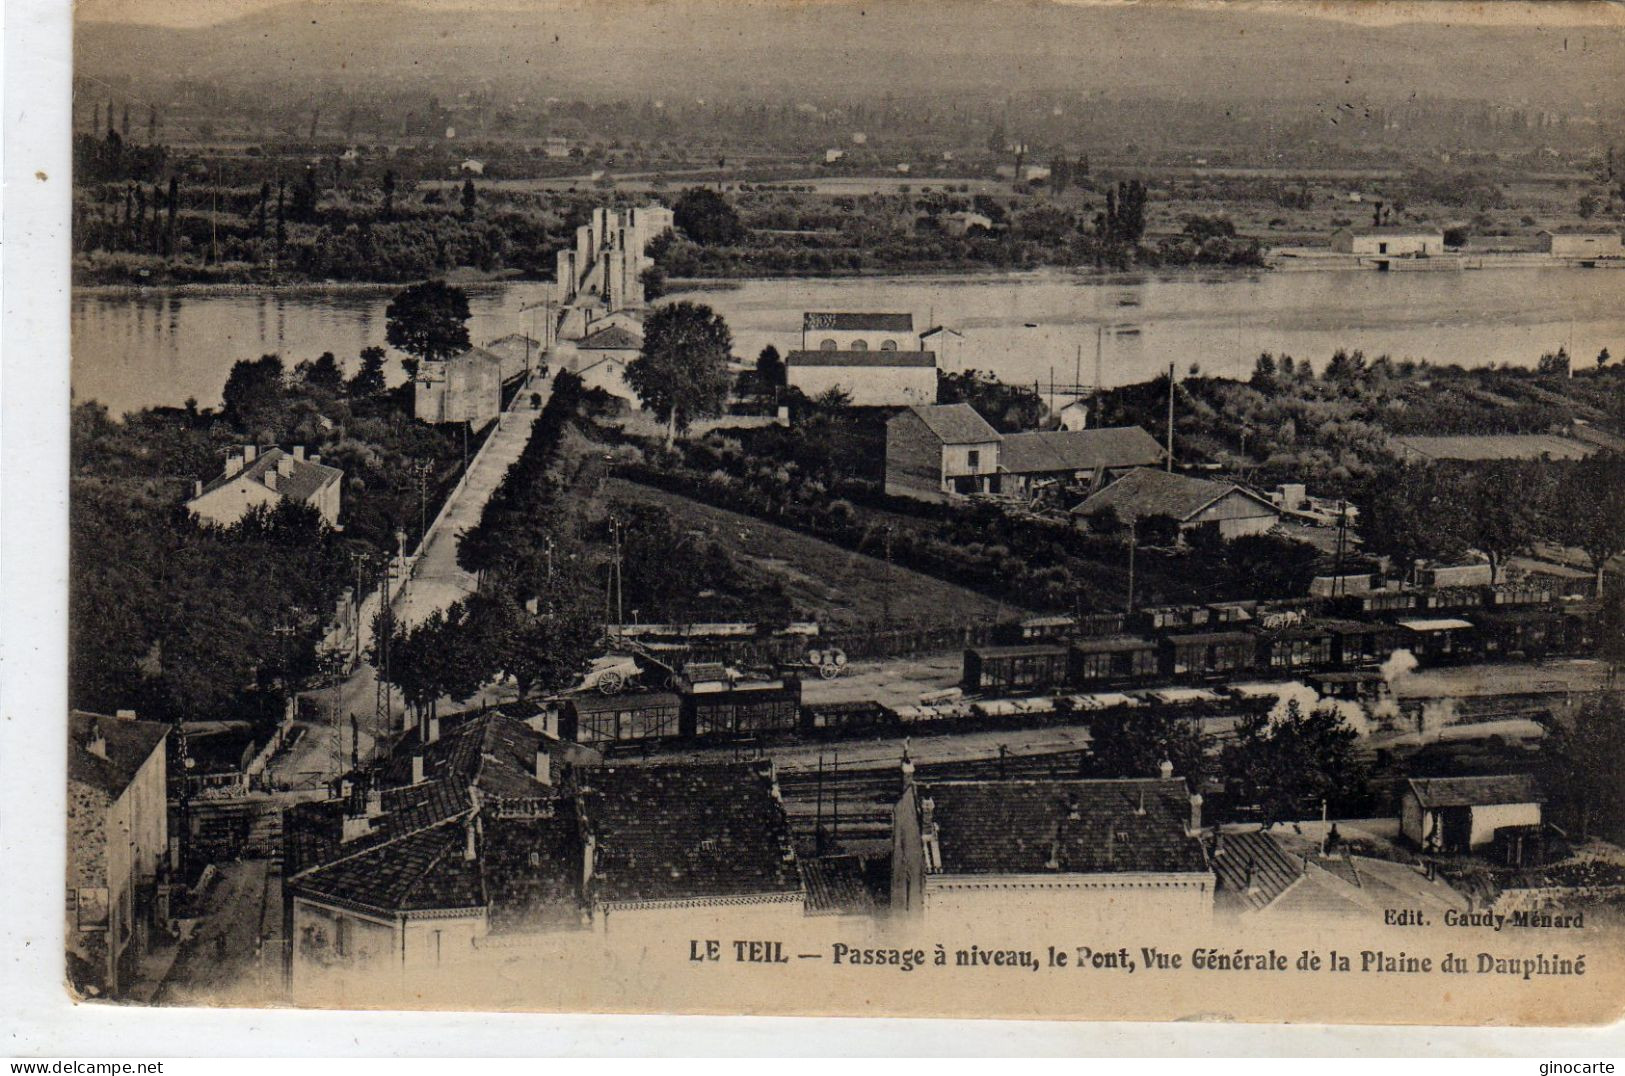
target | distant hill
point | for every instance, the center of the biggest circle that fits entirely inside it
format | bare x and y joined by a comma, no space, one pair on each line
907,48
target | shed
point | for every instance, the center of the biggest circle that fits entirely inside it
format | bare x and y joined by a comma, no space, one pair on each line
1458,814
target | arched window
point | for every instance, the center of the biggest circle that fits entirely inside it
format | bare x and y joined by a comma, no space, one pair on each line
827,345
888,345
860,345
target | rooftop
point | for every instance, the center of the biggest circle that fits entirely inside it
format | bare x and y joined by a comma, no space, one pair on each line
1040,452
840,322
1147,492
304,480
838,885
611,338
681,832
1081,827
1253,869
1476,791
861,358
127,744
956,424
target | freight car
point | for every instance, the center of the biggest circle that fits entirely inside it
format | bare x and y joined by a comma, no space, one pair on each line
1013,670
695,710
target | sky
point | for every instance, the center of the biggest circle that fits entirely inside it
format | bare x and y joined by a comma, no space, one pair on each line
1565,13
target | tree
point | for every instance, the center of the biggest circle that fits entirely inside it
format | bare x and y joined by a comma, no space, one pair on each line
369,380
1504,503
1585,765
1128,743
770,372
548,649
1291,762
255,396
1602,358
1263,378
1156,529
707,217
389,195
323,375
471,197
428,320
1269,566
1592,515
1588,206
682,372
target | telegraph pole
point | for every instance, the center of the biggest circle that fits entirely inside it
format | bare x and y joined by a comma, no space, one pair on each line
1170,418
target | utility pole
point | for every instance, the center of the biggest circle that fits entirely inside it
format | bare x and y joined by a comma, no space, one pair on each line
1170,418
420,469
1100,341
885,589
1133,541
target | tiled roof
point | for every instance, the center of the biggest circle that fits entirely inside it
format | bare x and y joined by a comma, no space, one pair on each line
1396,229
871,358
532,873
1252,869
1360,887
682,832
883,323
475,354
426,869
1146,492
836,885
611,338
1048,451
128,745
1084,827
1476,791
956,424
304,482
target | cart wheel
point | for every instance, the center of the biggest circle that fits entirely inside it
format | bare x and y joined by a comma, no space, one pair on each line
815,657
611,683
829,672
839,657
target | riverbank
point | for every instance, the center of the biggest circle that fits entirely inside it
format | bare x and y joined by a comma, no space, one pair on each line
464,277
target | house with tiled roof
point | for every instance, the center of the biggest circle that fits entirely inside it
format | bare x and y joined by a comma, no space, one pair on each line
941,451
519,352
1461,814
485,831
601,357
118,847
254,478
439,845
1064,851
1035,459
690,842
1193,503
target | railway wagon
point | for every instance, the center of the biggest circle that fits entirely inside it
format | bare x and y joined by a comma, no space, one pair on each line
1439,640
1120,659
1007,670
605,720
1208,653
1528,632
743,709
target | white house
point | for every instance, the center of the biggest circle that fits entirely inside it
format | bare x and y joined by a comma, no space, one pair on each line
253,478
1582,244
1458,814
1388,240
888,378
118,845
856,332
935,452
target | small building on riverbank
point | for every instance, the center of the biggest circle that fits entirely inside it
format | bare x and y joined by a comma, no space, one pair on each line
1582,244
1389,240
888,378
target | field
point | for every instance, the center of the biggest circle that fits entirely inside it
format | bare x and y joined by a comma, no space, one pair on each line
837,587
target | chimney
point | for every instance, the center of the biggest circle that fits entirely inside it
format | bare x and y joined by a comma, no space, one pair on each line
929,837
1252,878
355,825
1140,807
95,742
589,849
125,715
197,488
544,766
270,479
249,453
375,802
316,458
284,465
908,771
471,844
434,728
1218,842
1196,813
299,452
234,463
1165,769
417,767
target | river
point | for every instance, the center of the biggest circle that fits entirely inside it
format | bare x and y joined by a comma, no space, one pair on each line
162,348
